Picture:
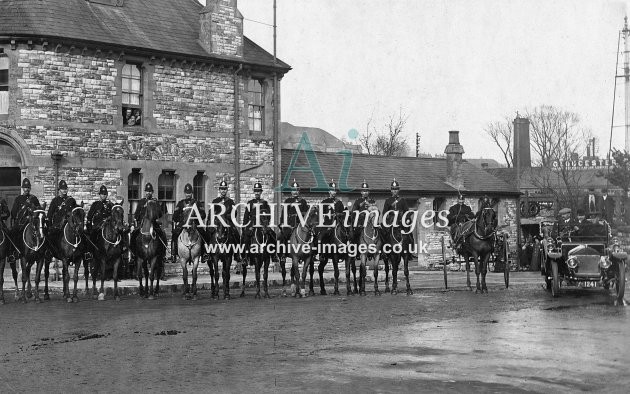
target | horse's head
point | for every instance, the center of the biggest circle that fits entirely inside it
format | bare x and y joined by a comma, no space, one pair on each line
186,219
312,218
37,221
221,232
487,221
75,215
152,211
117,218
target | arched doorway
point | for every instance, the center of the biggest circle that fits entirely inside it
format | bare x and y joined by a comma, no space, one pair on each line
10,173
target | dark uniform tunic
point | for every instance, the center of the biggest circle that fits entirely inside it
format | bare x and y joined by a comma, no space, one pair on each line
99,212
359,210
332,208
458,214
56,211
139,215
256,213
20,202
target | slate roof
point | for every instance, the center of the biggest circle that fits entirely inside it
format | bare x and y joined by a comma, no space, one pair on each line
170,26
420,175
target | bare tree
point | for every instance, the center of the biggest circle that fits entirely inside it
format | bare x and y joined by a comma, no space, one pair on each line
501,133
390,140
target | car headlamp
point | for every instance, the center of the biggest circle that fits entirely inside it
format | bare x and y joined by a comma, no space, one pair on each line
604,262
572,262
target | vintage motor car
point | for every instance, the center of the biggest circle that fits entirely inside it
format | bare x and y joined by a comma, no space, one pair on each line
583,254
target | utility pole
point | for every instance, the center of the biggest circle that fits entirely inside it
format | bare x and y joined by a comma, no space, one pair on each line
417,144
626,73
277,176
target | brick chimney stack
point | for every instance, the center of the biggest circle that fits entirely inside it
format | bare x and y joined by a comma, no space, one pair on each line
221,28
522,149
454,152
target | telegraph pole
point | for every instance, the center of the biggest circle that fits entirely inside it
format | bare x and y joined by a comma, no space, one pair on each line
626,73
277,176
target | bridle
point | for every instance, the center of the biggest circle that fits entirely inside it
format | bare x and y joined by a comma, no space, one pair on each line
116,229
485,224
40,213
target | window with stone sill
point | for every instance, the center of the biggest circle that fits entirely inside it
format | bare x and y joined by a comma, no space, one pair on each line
439,204
256,106
166,190
132,95
4,84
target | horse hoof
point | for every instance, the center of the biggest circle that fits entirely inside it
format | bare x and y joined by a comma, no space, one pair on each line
349,293
484,291
478,291
311,293
24,301
46,297
266,295
257,296
409,292
242,294
336,292
117,298
362,293
469,288
29,294
96,296
75,299
194,297
284,293
377,293
151,297
2,302
323,292
394,292
387,290
226,297
37,300
69,300
303,293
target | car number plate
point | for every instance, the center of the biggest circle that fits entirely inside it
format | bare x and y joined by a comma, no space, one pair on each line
590,283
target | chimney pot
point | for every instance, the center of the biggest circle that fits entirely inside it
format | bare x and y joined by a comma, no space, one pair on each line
453,137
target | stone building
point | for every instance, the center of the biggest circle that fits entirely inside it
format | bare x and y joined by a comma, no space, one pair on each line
428,184
125,92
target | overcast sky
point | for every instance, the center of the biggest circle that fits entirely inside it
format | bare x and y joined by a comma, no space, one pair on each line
451,65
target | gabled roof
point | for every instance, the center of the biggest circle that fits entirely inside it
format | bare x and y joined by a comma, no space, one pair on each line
420,175
290,137
586,179
170,26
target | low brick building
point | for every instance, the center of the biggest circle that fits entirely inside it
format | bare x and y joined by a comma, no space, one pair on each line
125,92
428,184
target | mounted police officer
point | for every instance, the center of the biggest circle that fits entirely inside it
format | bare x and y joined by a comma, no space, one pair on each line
459,214
359,210
256,211
397,204
224,201
57,210
140,212
292,219
332,209
24,199
178,216
100,210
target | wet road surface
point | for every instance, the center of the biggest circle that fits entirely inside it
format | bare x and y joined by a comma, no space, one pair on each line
516,340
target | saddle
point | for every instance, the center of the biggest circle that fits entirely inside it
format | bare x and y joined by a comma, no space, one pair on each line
461,231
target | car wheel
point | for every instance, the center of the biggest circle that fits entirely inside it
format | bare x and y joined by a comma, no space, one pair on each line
555,285
620,286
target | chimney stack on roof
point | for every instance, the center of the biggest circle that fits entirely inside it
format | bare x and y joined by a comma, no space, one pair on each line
219,19
522,149
454,152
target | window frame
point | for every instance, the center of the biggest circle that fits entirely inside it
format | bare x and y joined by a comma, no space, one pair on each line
164,189
254,104
4,87
127,89
199,187
132,187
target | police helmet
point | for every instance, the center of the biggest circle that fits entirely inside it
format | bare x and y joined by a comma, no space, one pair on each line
365,186
148,188
102,190
258,187
63,185
395,185
188,189
295,185
26,183
223,185
332,185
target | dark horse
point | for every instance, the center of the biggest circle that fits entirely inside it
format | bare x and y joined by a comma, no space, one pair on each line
190,247
335,247
398,244
479,246
66,246
108,239
260,239
6,247
301,248
369,247
222,241
149,250
31,237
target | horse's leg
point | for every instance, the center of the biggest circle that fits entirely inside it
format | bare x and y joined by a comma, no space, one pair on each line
182,263
86,272
194,277
46,276
305,268
258,265
139,275
26,273
348,286
295,277
323,259
362,274
14,272
244,274
3,262
77,268
484,271
406,268
265,277
152,274
145,272
226,277
100,295
477,272
38,273
354,275
468,272
376,290
283,272
386,266
66,279
336,269
311,271
115,273
395,267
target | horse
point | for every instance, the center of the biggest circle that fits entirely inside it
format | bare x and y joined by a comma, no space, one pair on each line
149,248
6,247
259,255
399,244
479,245
109,242
369,247
222,241
190,247
66,246
30,243
335,246
301,249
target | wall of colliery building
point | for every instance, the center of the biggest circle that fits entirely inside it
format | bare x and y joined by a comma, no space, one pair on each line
70,102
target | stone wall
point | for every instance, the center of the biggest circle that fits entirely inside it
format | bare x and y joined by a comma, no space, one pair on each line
66,87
